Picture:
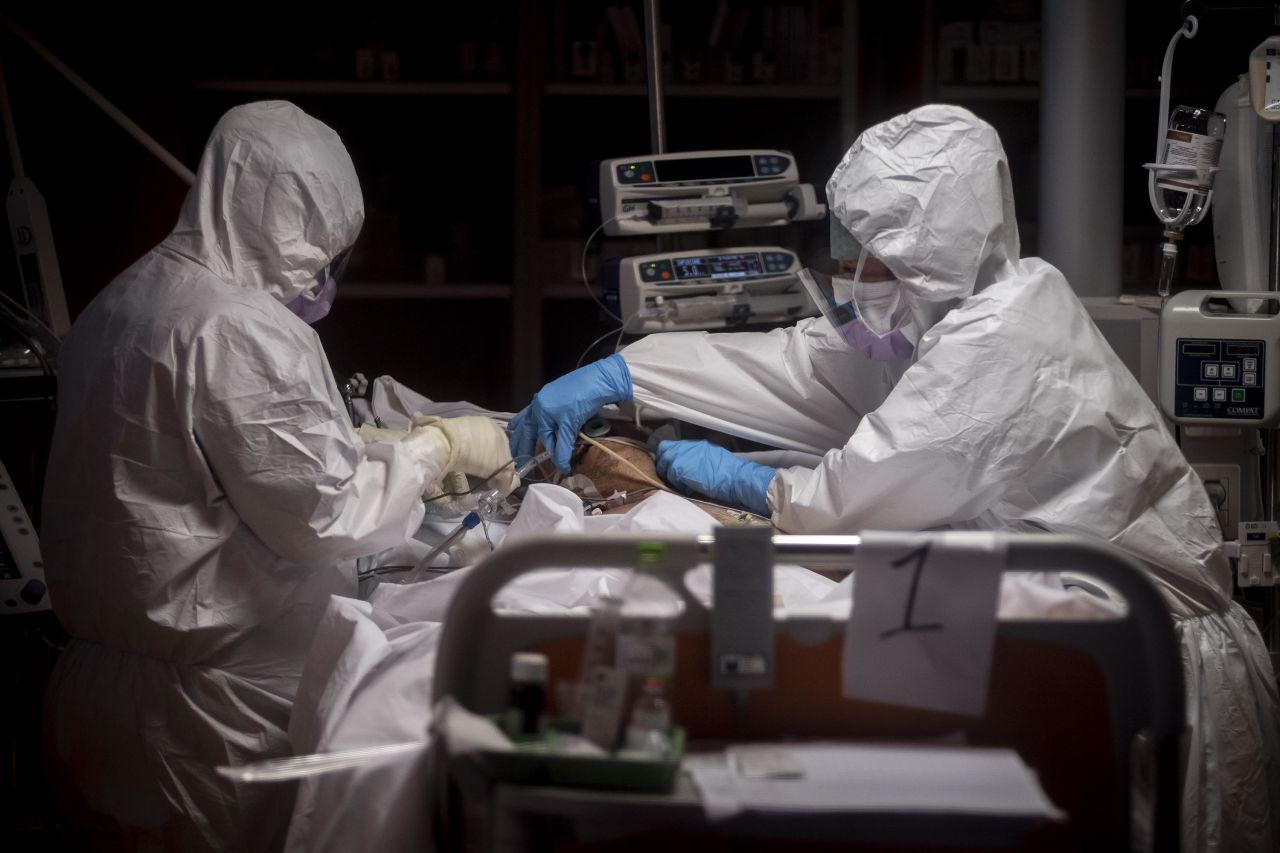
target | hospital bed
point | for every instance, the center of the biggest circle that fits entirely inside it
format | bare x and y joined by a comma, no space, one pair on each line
1093,707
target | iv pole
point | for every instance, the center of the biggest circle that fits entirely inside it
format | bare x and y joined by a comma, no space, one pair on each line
657,97
653,54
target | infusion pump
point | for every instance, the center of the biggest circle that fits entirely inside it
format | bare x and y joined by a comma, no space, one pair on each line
1219,367
705,289
702,191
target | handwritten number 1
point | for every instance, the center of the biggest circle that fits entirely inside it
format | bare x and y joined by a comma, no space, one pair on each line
918,556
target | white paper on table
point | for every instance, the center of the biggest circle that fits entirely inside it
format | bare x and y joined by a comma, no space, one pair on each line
463,732
875,778
923,622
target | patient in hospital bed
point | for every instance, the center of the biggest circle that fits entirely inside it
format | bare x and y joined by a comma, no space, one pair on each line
367,681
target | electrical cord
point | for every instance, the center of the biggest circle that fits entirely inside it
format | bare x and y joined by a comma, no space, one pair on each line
583,269
621,330
14,322
22,309
582,265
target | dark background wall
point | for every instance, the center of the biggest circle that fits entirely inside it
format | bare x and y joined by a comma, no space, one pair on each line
440,171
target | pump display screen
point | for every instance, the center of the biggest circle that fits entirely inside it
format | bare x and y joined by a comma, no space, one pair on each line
705,168
719,267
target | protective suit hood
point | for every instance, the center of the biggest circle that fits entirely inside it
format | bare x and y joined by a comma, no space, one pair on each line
928,193
276,198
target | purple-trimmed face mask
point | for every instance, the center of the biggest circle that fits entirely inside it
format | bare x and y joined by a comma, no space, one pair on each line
890,347
840,299
314,303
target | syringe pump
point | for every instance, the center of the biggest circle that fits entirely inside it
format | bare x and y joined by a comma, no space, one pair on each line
703,191
705,289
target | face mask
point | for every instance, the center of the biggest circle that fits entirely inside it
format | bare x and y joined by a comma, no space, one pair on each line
879,304
844,300
314,304
891,347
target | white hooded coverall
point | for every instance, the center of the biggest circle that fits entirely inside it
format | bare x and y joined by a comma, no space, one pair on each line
1014,414
206,494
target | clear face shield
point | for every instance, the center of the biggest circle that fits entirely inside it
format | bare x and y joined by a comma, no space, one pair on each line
871,316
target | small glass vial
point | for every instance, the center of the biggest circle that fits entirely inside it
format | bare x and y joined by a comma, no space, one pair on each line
527,695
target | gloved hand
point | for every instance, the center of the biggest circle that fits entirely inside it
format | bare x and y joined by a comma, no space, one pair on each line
563,405
468,445
477,446
708,468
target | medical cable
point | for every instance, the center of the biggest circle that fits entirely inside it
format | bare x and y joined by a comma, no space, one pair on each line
489,504
582,264
621,330
29,314
625,461
376,571
471,490
14,322
658,484
475,518
382,570
458,513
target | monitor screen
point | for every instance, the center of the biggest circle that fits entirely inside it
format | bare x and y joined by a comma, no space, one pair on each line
705,168
718,267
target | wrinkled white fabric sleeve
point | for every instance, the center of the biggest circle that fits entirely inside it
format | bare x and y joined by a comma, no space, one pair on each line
798,388
268,420
939,451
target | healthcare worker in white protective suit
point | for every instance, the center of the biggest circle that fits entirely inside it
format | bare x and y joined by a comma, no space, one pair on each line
207,494
967,388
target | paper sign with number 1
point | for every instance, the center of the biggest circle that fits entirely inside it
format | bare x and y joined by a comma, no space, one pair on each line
923,622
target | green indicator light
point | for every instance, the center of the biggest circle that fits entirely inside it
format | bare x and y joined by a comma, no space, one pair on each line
650,553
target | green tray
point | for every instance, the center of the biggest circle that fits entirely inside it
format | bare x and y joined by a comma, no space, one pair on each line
606,773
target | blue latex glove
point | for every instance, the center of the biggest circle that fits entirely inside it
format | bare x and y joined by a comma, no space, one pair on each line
563,405
701,466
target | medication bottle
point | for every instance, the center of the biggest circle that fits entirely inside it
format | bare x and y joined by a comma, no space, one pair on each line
650,721
1193,138
527,695
600,651
600,696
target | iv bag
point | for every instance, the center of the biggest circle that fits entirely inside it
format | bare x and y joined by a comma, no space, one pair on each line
1192,139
